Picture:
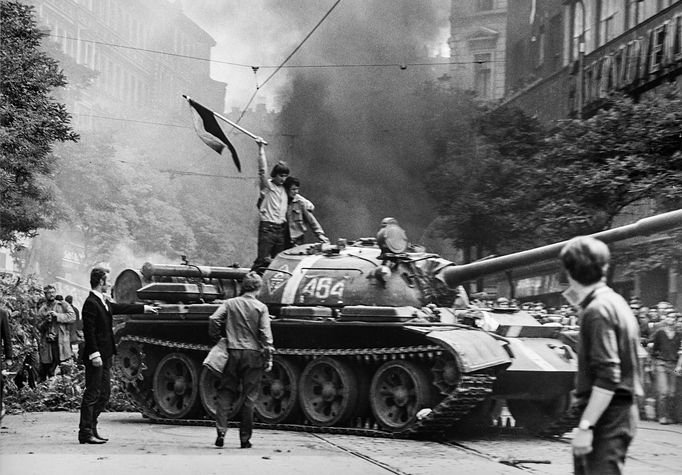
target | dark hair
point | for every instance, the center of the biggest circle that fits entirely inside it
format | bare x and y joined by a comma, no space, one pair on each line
252,281
69,298
49,287
59,297
280,168
291,181
585,258
97,274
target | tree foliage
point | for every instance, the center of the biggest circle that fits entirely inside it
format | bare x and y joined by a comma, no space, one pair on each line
31,121
482,185
595,168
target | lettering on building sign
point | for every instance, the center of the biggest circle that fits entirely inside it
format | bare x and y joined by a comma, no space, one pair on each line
640,60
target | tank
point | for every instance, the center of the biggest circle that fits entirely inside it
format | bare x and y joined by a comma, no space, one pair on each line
370,338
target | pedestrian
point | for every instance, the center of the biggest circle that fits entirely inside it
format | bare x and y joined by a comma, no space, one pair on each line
272,207
76,329
608,380
300,215
665,343
245,321
98,351
6,342
55,318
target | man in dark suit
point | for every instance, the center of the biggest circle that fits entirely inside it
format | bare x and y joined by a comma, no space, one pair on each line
6,341
98,351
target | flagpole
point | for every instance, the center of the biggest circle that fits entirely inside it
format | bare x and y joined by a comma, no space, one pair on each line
233,124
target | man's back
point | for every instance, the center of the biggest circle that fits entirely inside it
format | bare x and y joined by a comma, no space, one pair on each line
248,324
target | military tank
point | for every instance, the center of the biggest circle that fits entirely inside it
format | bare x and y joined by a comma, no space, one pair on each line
367,341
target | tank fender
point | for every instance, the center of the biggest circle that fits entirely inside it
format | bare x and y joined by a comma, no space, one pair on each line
474,350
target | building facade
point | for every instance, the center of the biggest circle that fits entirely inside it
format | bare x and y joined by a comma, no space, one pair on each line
562,58
143,53
478,46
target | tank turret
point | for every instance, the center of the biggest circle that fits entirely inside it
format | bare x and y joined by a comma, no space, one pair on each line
367,339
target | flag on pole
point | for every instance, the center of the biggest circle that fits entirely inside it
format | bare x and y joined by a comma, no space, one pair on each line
209,131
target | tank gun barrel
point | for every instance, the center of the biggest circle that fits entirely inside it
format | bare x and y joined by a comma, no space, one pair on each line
457,274
150,270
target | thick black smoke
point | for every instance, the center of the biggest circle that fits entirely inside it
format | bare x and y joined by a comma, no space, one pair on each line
355,133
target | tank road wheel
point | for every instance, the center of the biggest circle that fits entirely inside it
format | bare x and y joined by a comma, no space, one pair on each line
446,375
399,390
130,360
209,384
176,386
278,393
535,415
328,392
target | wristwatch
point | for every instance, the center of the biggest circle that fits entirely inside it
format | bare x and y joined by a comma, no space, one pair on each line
585,425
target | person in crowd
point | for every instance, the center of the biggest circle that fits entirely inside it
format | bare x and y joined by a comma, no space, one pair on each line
608,379
55,318
6,343
665,343
300,215
245,321
272,208
76,328
643,320
98,351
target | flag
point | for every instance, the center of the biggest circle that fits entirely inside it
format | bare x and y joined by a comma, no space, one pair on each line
209,131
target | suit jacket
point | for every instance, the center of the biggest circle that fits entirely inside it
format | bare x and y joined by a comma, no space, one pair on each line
5,335
98,325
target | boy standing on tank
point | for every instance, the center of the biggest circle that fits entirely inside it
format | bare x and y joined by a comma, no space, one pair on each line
272,207
245,321
608,379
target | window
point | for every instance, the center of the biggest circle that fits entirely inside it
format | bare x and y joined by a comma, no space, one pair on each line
608,21
484,5
483,75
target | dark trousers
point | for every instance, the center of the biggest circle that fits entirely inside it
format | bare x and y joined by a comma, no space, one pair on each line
47,370
244,367
612,436
272,239
95,396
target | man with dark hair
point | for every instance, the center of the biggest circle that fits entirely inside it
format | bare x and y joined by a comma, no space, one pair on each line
245,321
608,381
98,350
300,215
55,317
272,207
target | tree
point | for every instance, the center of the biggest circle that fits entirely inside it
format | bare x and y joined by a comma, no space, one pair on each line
595,168
483,186
31,121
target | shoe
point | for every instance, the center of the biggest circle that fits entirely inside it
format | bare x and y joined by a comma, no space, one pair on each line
246,445
220,440
91,439
97,436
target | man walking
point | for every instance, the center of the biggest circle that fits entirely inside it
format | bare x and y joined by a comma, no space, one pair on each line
98,350
608,379
246,323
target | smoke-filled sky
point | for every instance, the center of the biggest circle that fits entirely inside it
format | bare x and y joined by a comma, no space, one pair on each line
352,133
264,32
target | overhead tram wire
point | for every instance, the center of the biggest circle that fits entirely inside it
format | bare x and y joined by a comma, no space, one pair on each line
281,66
286,59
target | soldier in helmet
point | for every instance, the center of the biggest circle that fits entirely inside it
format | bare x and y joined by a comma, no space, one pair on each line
391,238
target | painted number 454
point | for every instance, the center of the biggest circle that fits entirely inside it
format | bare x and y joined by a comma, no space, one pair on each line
323,287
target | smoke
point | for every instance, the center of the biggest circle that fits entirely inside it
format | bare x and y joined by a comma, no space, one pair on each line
358,139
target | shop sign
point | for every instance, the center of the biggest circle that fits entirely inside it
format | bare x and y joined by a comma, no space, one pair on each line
639,61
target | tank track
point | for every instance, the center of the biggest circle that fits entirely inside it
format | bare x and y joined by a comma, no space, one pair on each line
565,423
471,391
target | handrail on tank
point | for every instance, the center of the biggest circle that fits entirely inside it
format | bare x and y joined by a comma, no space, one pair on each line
455,275
150,270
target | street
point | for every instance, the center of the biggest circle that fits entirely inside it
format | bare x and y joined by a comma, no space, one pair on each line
46,443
